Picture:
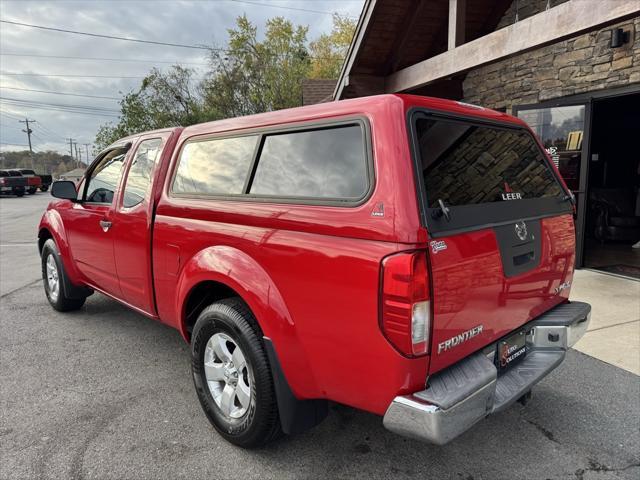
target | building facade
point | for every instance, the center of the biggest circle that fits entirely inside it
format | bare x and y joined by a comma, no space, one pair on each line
578,65
569,68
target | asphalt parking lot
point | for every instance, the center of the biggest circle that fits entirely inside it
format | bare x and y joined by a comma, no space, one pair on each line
107,393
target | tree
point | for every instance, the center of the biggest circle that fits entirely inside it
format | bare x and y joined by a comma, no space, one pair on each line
42,162
247,76
328,51
163,100
253,76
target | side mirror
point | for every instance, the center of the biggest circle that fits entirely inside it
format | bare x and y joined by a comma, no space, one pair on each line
65,190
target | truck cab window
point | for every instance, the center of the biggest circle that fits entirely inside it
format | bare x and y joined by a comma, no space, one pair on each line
105,177
140,172
215,166
327,163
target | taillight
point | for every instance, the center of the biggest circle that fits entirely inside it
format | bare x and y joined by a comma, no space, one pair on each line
2,181
405,311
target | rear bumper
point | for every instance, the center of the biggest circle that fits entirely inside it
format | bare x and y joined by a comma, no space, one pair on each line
12,189
463,394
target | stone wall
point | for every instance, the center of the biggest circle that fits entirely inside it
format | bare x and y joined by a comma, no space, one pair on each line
577,65
524,9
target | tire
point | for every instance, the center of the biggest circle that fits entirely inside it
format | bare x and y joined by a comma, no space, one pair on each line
44,188
32,190
52,267
220,329
20,194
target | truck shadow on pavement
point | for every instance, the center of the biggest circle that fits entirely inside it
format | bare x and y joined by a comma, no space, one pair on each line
105,392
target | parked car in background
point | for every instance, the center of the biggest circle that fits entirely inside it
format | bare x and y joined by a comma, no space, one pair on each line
12,184
408,256
46,181
76,175
34,182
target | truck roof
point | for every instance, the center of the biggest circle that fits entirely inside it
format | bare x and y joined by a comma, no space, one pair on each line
132,137
363,104
329,109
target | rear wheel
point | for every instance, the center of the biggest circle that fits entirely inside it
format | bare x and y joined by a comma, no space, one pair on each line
232,376
32,190
54,276
44,188
20,194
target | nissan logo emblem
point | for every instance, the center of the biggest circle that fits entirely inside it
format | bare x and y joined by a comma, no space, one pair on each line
521,230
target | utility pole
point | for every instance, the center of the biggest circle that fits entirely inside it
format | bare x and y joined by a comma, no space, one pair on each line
86,146
71,140
28,131
77,157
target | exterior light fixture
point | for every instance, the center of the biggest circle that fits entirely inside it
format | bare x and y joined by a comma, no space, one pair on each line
619,37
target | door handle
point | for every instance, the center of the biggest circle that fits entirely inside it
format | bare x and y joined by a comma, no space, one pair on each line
105,224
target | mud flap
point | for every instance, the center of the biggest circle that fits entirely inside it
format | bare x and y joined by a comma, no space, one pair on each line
296,416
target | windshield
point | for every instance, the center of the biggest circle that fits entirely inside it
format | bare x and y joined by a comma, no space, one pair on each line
467,164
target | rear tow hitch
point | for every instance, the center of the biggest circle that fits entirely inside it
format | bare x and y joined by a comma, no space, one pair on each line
524,399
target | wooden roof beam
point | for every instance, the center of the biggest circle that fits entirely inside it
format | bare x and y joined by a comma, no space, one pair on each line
560,22
361,85
404,33
457,22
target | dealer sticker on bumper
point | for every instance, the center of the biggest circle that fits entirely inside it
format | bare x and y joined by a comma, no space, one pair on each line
511,350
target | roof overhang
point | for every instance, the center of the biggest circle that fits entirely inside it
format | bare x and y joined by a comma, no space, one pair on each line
385,67
354,48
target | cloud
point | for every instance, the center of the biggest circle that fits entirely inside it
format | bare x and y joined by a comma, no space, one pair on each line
188,22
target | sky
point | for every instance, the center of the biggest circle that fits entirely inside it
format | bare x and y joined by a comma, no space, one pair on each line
116,67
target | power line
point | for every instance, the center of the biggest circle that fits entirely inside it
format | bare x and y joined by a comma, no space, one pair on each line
10,115
112,37
6,125
215,49
40,139
65,75
47,129
58,109
135,60
65,105
283,7
60,93
43,140
49,137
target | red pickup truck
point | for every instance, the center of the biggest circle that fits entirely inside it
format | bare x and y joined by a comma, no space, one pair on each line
34,182
408,256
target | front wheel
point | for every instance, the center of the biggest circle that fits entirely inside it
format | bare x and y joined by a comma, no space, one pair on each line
44,188
32,190
232,376
54,276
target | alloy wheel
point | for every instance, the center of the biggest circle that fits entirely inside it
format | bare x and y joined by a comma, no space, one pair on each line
53,279
228,375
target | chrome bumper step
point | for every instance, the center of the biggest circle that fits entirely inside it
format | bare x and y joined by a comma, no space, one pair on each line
463,394
519,379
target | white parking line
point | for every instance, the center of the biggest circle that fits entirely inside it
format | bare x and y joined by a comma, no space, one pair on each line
18,245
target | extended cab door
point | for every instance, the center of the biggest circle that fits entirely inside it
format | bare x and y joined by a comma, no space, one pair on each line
501,235
88,223
132,223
